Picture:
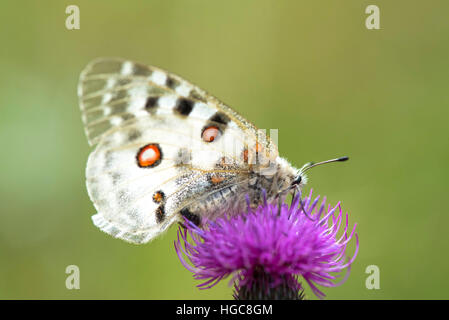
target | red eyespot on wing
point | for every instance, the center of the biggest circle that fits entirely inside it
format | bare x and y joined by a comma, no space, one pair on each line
158,196
149,156
210,133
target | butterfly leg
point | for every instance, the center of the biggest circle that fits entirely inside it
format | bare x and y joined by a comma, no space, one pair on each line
192,217
279,205
302,204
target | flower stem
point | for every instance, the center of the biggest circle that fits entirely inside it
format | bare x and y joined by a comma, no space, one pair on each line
263,287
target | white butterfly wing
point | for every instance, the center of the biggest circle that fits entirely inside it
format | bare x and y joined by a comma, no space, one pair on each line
127,107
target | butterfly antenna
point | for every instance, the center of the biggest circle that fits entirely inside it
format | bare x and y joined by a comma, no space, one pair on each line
306,167
311,165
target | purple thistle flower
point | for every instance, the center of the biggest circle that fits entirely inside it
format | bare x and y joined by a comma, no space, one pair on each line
267,250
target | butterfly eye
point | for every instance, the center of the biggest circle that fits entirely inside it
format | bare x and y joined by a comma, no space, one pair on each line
210,133
149,156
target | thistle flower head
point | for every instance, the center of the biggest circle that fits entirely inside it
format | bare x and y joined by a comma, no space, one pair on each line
268,250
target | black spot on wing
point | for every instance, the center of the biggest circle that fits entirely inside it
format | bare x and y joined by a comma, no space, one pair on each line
160,213
171,83
189,215
151,103
184,106
220,118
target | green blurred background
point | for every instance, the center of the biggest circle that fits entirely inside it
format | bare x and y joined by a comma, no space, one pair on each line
309,68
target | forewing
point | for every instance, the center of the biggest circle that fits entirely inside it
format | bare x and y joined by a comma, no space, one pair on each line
112,91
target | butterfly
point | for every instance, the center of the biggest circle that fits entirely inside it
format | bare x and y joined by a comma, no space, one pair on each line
165,151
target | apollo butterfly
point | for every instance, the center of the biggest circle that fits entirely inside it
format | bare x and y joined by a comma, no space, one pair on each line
167,150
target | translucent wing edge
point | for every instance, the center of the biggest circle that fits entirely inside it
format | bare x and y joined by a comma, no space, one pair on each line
111,228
